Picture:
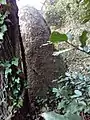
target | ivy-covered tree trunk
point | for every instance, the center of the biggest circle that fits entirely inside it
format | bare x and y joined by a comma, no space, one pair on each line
9,48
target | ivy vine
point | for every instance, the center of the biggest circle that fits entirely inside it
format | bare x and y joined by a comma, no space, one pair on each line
12,70
16,82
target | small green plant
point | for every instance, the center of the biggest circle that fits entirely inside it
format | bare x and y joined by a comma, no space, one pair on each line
49,103
57,37
15,82
74,94
13,74
74,90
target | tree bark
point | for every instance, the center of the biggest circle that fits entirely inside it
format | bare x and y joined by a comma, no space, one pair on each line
9,48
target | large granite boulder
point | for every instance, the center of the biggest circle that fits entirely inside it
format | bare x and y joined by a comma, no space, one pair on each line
42,66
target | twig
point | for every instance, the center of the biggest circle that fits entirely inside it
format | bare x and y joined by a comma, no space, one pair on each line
77,48
43,4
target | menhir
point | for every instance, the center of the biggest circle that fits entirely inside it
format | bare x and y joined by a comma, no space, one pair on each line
42,66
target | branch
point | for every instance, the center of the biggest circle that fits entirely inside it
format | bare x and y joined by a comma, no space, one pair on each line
78,48
43,4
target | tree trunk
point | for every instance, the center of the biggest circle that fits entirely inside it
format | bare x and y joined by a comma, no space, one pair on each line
9,48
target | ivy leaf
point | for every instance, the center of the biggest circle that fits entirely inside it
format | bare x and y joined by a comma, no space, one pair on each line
58,37
7,64
74,117
3,28
67,74
7,71
1,36
1,21
15,92
52,116
61,105
55,90
15,61
2,18
78,93
3,2
19,71
72,107
14,102
83,38
20,103
82,103
17,80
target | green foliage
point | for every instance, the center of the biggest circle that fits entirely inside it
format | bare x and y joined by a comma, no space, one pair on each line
55,116
15,61
73,92
83,38
52,116
2,1
49,103
58,37
15,82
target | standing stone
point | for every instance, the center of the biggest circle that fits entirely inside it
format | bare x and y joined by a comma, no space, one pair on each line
42,66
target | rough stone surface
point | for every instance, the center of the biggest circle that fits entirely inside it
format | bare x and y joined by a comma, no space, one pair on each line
42,67
9,48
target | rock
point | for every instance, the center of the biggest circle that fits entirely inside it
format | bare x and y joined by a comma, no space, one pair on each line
42,66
